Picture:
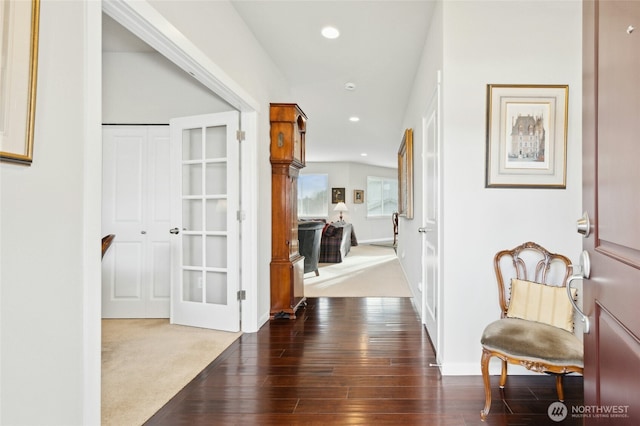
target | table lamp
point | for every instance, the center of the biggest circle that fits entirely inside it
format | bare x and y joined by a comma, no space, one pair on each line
340,207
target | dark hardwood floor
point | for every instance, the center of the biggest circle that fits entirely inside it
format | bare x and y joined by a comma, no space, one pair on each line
348,361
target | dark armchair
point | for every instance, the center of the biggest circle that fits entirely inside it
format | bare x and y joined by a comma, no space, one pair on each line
309,237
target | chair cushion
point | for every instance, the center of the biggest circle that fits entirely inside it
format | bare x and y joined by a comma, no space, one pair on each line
533,341
543,303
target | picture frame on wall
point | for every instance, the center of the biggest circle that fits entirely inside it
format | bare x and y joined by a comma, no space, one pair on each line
405,175
358,196
337,195
526,144
19,43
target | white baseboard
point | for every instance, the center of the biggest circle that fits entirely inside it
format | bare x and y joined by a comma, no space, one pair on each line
263,320
375,241
460,369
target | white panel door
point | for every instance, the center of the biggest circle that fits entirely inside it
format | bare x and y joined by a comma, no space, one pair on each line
136,208
205,205
158,221
431,219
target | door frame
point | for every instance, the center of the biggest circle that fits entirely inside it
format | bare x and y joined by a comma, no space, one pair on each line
151,27
433,107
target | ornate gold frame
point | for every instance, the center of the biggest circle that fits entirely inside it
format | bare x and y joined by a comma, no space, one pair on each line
511,161
17,112
405,175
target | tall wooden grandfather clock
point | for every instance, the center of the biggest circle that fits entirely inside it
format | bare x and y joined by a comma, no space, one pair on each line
288,127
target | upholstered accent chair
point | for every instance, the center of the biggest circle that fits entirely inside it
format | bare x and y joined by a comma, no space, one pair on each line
535,329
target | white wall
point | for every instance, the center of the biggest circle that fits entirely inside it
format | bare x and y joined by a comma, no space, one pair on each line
217,29
147,88
422,92
50,247
354,176
524,42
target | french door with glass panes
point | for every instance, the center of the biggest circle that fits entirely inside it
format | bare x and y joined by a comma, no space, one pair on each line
205,205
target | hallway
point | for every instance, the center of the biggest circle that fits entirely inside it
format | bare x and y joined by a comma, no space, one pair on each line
364,361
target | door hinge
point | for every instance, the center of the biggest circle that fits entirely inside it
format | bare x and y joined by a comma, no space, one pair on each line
242,295
241,215
240,135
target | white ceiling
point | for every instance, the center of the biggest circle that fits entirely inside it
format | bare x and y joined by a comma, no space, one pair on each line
379,48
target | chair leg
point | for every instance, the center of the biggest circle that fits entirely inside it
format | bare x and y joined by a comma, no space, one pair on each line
559,387
484,363
503,374
317,273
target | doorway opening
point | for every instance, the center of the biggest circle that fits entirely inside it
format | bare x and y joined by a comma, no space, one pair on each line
154,48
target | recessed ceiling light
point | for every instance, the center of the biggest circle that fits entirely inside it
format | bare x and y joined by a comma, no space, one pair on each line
350,86
364,154
354,119
330,32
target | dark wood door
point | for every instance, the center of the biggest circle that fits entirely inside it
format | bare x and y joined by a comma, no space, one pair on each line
611,197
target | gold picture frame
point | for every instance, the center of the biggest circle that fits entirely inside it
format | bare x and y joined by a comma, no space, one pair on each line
337,195
405,175
19,44
526,136
358,196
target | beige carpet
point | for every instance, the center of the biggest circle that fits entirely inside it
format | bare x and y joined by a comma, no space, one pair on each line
145,362
367,271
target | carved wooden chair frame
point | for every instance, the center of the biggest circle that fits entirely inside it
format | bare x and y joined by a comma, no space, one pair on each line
540,272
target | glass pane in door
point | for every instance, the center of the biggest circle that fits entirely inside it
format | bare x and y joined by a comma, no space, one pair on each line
192,286
216,251
192,144
192,215
216,181
216,288
192,250
192,179
216,215
214,149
